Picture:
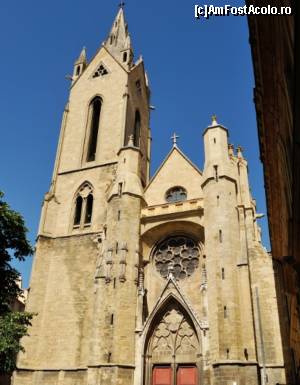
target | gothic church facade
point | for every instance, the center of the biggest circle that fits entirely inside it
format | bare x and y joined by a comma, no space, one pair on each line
138,281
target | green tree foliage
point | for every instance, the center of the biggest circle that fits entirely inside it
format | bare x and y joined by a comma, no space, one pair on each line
13,325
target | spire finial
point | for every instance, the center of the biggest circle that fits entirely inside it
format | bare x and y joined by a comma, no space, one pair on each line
122,5
174,138
214,120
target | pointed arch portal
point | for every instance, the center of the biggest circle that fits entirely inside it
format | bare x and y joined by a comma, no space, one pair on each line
172,349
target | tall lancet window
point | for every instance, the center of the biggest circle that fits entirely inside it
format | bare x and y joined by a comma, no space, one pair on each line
94,120
137,129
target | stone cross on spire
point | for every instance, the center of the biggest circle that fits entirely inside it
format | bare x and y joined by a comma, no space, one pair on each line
174,138
122,4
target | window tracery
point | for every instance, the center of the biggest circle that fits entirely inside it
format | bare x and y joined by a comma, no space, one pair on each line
176,194
178,253
101,71
83,207
173,336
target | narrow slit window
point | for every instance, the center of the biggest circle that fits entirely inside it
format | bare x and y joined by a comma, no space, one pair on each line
216,173
112,319
119,215
78,209
120,189
125,57
220,236
95,109
223,273
89,209
137,129
225,312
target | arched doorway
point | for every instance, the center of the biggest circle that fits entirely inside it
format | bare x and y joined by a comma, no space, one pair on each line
172,351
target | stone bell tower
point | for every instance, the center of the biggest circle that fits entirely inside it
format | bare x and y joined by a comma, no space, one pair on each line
84,278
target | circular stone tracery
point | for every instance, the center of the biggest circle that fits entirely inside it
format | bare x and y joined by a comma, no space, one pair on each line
179,254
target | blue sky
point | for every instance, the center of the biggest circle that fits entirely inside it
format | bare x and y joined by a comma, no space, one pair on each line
196,68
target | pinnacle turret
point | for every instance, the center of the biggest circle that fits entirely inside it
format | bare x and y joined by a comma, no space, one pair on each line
80,64
82,57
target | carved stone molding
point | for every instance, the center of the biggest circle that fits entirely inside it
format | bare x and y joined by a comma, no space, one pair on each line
99,240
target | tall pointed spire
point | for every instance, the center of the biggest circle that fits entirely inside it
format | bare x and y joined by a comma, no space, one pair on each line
118,42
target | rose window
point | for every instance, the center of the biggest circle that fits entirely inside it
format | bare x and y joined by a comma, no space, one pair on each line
179,255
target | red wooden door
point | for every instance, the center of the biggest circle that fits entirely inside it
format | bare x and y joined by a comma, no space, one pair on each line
187,375
162,375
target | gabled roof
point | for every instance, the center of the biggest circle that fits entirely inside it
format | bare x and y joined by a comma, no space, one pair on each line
174,148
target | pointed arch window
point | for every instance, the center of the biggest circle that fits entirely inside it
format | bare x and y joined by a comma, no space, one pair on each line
94,121
83,209
137,129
